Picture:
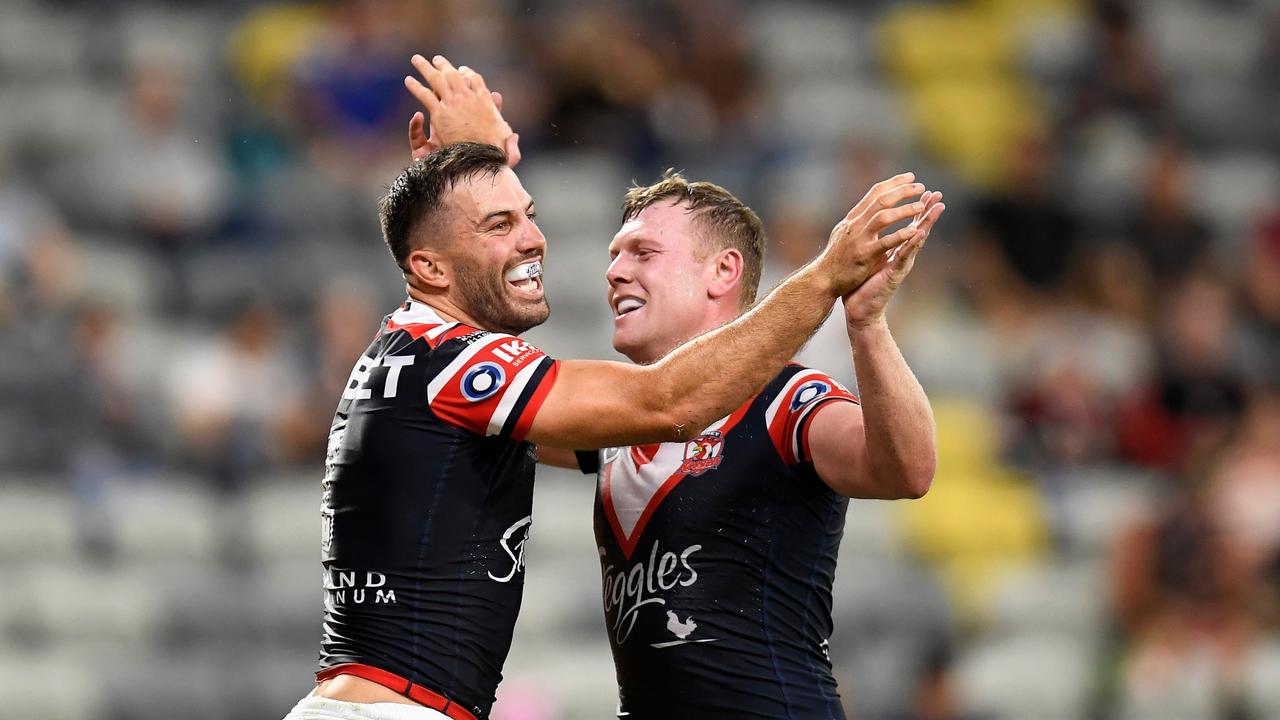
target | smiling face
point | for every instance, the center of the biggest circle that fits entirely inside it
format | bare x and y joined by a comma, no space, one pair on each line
496,251
660,283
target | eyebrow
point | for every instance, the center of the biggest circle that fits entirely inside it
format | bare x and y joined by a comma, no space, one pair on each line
632,240
500,213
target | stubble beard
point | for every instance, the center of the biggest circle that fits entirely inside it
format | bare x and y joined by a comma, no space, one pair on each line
484,296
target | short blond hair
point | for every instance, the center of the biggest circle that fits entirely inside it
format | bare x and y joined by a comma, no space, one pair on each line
724,220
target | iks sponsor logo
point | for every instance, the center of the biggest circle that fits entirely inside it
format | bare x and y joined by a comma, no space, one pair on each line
512,543
514,352
352,587
702,454
627,590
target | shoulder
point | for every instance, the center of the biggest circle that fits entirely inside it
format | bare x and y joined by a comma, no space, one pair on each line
795,396
797,387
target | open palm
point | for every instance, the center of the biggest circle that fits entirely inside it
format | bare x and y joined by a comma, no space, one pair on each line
867,304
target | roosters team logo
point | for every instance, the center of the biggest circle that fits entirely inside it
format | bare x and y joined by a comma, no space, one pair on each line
702,454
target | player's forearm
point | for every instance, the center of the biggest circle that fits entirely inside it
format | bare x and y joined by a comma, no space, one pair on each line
898,422
708,377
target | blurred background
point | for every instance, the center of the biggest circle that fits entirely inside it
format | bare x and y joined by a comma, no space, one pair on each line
190,263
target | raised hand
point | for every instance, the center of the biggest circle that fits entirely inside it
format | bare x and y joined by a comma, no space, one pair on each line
856,250
461,108
866,305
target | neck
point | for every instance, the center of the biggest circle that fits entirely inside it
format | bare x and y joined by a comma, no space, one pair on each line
442,304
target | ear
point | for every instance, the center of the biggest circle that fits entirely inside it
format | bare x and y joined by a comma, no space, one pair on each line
428,269
726,274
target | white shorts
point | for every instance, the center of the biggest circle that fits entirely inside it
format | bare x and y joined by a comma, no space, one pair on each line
320,708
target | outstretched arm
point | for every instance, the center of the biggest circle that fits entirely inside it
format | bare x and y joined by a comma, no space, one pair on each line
884,448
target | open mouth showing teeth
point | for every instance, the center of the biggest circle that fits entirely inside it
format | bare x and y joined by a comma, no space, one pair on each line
526,276
628,304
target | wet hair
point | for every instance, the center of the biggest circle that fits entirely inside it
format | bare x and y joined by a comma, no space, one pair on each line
724,220
418,192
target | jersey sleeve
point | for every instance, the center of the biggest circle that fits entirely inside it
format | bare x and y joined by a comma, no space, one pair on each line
490,383
788,416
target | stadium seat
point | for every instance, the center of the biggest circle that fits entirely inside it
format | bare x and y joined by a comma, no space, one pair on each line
1106,171
578,194
123,277
82,603
41,45
824,114
1042,676
187,683
1065,597
284,519
288,598
56,685
804,41
164,519
37,524
1233,190
1090,506
1197,39
870,529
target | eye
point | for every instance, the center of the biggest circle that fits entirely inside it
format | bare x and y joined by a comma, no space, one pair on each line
501,226
533,216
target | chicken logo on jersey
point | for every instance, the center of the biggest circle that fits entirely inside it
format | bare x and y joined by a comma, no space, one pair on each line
702,454
681,630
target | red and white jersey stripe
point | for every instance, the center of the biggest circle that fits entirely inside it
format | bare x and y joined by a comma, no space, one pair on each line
787,417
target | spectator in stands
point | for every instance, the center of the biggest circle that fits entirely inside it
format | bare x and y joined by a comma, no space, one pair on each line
1181,599
157,181
227,397
1035,235
1121,75
1261,287
1172,239
1198,391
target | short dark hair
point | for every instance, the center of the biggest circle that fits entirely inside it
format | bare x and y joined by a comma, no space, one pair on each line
417,192
725,221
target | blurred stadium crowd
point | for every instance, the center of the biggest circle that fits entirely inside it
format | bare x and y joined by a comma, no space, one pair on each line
190,262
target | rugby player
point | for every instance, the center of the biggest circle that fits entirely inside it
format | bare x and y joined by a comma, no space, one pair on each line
429,469
718,551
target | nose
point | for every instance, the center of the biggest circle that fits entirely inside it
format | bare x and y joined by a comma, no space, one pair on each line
531,240
619,271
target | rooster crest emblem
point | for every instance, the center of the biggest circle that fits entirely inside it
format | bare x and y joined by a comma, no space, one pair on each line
702,454
680,629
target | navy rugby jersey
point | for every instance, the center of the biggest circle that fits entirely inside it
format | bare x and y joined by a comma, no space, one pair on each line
427,497
717,558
